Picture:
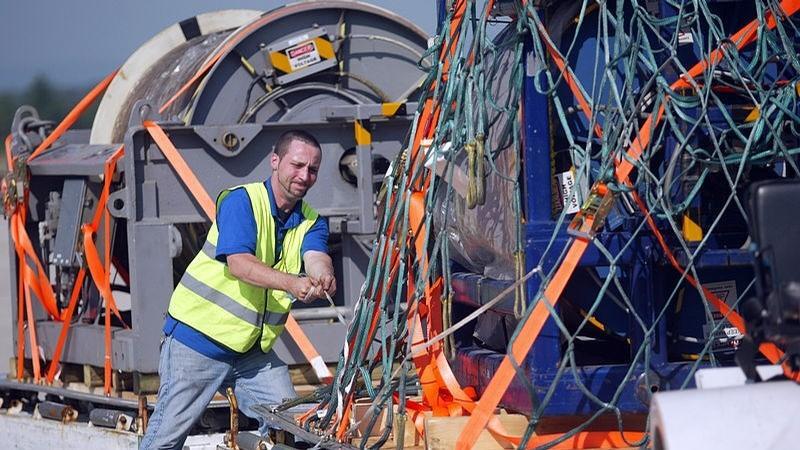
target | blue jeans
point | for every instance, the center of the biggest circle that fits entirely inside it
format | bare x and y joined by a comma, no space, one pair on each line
189,381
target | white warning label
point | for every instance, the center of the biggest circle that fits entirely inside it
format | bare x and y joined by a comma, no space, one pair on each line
568,192
302,55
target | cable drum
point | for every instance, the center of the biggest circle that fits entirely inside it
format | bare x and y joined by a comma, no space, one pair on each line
160,67
358,54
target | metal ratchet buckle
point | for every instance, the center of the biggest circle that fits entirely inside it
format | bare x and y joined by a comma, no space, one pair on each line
13,186
596,208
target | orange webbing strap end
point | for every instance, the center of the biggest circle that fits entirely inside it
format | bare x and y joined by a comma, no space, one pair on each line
73,115
210,209
441,390
311,354
39,282
100,270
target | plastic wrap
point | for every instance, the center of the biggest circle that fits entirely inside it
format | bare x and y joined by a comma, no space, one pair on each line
483,239
166,76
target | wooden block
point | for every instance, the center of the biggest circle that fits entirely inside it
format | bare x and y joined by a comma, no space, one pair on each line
130,395
411,439
145,383
441,433
304,374
27,369
92,376
360,419
305,389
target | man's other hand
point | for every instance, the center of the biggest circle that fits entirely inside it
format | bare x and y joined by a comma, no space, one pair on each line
328,284
304,289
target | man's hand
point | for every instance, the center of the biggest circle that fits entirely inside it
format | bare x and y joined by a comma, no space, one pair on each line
328,284
304,289
319,267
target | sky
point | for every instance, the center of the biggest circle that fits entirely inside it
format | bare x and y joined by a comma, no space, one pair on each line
78,42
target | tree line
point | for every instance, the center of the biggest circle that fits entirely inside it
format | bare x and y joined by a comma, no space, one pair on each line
53,103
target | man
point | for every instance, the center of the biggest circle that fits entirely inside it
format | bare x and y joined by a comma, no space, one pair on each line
231,304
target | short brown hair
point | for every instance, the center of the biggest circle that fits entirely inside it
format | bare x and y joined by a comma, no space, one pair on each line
282,145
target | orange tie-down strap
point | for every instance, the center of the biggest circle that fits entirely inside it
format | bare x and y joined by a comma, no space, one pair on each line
742,38
74,115
33,279
100,273
209,208
533,324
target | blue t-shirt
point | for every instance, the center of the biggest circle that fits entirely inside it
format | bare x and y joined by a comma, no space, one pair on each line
237,234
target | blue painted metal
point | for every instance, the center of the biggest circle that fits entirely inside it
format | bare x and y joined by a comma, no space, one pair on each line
645,274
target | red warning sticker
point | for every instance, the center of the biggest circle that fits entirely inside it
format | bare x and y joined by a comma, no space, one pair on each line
302,55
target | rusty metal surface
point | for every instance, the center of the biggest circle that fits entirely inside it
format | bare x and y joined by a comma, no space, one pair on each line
57,411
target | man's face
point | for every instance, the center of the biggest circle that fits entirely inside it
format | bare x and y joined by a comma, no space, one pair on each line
297,170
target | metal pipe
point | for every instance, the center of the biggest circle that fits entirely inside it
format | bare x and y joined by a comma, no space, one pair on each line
110,401
321,313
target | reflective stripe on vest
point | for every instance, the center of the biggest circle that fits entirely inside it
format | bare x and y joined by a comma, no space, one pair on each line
228,310
223,301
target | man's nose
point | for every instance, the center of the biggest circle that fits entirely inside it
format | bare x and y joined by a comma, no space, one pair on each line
305,174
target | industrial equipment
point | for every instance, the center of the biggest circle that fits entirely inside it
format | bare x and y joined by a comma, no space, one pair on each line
549,220
221,87
565,236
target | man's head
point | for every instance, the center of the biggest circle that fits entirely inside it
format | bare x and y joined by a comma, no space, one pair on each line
295,163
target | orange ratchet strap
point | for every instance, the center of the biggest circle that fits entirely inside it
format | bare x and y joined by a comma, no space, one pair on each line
35,280
533,324
100,274
210,209
73,115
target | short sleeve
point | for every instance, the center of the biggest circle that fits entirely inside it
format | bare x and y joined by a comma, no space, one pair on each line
317,237
236,225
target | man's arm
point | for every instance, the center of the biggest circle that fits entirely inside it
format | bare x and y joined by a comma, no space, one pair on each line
319,268
251,270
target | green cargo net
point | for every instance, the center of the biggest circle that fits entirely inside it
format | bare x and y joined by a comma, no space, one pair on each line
712,111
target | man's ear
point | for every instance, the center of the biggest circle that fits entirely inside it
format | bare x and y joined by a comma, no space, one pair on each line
273,160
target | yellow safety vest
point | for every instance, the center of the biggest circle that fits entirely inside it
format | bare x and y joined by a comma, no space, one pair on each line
227,310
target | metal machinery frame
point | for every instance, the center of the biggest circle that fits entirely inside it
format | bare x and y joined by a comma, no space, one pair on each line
344,96
646,274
